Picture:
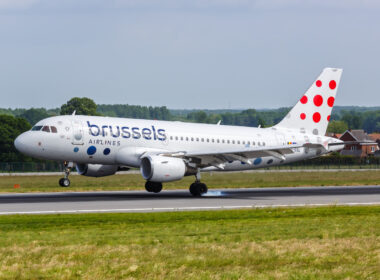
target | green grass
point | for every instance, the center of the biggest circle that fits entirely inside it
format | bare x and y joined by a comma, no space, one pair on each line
289,243
213,180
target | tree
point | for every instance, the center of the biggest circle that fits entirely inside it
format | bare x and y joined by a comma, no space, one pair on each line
34,115
353,119
82,106
337,127
10,128
198,116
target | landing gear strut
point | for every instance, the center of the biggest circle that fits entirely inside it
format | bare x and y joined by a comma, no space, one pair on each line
154,187
197,188
65,182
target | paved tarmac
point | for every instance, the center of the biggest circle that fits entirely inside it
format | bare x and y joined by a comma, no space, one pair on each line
181,200
74,173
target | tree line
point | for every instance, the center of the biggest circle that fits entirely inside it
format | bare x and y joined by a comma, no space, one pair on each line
15,121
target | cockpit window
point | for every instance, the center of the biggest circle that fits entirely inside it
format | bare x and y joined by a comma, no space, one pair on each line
37,127
46,128
53,129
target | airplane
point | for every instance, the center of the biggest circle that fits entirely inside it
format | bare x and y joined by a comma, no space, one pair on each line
166,151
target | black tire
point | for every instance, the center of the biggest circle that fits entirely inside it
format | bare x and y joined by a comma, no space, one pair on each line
60,182
203,188
157,187
148,186
197,189
154,187
193,189
65,182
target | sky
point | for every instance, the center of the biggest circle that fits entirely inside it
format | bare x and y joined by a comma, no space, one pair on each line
183,54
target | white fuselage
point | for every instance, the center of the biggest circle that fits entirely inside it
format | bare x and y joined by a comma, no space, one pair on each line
122,142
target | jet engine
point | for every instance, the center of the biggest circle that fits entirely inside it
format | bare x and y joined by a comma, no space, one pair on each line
162,169
96,170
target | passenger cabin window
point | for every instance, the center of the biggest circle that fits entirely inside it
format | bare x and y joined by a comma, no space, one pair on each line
46,128
36,128
53,129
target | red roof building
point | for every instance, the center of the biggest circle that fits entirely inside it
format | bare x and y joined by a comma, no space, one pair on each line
364,147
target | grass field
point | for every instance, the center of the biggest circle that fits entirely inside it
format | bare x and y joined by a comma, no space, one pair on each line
214,180
288,243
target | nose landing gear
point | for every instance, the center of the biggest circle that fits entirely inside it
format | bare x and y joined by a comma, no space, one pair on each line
65,182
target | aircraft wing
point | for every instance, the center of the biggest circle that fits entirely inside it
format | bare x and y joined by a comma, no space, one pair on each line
220,158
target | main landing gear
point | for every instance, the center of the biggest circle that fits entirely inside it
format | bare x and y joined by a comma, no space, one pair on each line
197,188
65,182
154,187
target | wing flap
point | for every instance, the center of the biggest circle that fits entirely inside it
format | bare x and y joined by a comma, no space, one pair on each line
219,158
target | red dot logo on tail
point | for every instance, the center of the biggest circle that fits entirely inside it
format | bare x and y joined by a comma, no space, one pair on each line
328,118
303,116
318,100
316,117
332,84
303,99
318,83
331,101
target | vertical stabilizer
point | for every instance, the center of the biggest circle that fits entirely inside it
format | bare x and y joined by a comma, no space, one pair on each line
312,112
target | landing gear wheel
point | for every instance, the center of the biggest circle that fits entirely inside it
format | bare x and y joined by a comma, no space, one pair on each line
198,188
64,182
154,187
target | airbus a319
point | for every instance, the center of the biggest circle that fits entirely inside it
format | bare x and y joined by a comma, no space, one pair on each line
167,151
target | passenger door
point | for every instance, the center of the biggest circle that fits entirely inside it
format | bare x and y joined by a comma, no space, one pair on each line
78,134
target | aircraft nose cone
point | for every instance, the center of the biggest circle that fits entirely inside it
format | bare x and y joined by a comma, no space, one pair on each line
21,143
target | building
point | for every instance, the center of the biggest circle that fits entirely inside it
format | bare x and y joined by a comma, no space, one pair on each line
376,138
365,146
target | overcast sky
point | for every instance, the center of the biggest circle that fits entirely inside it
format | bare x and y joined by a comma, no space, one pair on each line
186,54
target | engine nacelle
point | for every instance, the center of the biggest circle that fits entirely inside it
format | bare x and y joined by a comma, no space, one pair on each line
96,170
162,169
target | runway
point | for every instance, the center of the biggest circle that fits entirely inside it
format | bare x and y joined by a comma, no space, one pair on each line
181,200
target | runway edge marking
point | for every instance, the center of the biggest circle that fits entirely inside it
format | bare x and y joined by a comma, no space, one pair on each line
173,209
